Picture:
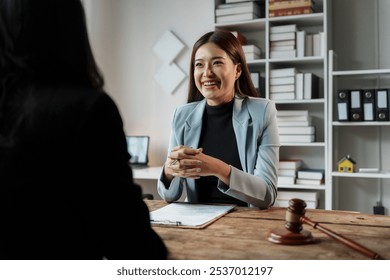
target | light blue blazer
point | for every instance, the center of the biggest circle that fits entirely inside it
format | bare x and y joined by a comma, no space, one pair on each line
255,127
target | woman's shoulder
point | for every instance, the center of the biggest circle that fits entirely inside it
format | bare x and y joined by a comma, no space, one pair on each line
191,112
258,102
188,108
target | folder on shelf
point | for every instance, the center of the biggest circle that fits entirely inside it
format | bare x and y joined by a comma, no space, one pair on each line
343,100
382,104
369,105
356,110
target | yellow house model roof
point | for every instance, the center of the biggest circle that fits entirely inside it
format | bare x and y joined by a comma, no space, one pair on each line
347,158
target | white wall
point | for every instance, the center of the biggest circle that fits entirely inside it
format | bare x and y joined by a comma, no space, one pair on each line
123,33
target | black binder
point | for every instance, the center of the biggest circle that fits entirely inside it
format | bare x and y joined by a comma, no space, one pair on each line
369,105
356,109
343,101
382,104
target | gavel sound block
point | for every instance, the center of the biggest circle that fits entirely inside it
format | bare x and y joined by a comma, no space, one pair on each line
293,234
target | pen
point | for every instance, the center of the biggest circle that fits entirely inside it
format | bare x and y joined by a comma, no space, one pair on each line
173,162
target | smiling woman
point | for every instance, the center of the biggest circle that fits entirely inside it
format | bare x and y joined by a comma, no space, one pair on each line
224,145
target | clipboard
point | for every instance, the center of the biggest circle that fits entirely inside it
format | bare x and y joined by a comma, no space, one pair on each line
188,215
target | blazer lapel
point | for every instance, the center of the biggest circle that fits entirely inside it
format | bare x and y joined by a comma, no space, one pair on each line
193,126
241,119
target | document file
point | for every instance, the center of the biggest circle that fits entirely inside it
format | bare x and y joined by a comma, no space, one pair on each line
369,104
188,215
343,103
356,110
382,104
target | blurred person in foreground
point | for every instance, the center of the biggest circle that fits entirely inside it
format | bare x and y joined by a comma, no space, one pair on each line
66,188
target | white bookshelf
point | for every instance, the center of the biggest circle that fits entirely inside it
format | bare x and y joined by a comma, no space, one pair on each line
314,154
366,145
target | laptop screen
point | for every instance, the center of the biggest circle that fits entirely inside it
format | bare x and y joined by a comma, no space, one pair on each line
138,148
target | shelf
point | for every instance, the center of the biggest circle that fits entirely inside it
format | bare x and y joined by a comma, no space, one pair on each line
361,72
294,60
383,175
386,123
302,187
243,26
297,60
256,62
313,144
301,20
303,101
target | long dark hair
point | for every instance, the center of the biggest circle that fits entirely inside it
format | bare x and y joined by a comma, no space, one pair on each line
43,42
229,43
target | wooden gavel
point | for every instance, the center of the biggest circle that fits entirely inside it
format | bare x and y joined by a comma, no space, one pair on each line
295,217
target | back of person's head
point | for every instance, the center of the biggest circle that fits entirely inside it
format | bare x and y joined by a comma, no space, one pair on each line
45,41
226,41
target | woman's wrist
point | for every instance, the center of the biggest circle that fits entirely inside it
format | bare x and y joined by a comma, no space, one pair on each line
167,176
224,170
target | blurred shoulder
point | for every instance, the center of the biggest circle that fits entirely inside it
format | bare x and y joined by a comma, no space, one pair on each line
187,108
259,103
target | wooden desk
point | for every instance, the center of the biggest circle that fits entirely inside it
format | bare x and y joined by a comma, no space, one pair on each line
241,234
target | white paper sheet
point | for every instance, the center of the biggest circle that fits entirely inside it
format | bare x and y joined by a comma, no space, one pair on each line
188,215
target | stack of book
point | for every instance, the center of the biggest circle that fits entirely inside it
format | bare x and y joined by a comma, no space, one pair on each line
283,41
251,52
310,177
310,197
285,44
295,126
287,171
300,118
282,83
238,10
278,8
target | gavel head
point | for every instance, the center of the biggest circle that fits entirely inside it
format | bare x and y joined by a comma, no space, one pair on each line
292,233
295,210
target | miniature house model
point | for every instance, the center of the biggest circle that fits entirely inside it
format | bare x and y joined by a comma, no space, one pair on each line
346,164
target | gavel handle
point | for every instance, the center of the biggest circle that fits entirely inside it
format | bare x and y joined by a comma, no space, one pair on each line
352,244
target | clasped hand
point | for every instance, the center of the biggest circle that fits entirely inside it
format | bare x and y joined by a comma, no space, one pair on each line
184,162
187,162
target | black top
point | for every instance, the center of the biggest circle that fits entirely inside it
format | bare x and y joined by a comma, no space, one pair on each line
218,140
66,189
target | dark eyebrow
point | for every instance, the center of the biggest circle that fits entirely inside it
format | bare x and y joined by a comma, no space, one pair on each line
214,57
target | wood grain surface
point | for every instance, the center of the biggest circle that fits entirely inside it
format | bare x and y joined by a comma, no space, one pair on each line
241,234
